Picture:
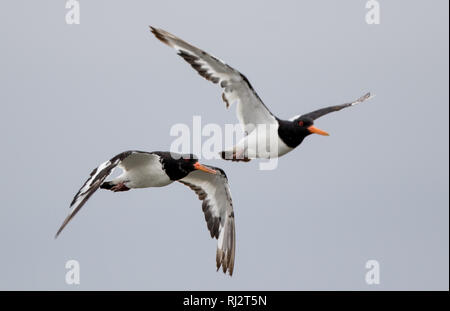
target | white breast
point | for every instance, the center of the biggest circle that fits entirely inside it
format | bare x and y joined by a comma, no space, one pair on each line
264,142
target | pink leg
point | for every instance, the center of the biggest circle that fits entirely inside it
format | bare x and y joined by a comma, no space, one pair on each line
239,156
120,187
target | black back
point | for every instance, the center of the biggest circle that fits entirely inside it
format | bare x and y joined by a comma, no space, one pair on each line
176,166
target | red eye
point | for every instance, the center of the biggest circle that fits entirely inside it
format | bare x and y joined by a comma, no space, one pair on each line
300,123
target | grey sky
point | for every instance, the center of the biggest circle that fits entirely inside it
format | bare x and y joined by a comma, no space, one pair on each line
73,96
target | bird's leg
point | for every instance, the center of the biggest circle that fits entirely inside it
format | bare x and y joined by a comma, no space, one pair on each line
234,156
240,156
120,187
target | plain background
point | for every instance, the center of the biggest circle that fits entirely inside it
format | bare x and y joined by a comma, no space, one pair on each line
73,96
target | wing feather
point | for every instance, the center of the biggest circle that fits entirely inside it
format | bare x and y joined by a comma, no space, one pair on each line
250,109
98,175
217,207
321,112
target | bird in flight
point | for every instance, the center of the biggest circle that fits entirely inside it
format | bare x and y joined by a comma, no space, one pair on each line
266,136
142,169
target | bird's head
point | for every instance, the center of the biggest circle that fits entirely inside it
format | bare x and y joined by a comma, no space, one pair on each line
306,126
189,163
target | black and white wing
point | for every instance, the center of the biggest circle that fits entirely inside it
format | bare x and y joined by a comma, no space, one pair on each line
136,160
250,109
321,112
217,206
126,160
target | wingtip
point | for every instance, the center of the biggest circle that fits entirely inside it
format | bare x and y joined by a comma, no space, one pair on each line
230,271
64,224
225,270
159,35
153,30
226,264
59,231
367,96
363,98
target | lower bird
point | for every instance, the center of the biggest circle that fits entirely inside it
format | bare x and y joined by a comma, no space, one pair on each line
158,169
266,136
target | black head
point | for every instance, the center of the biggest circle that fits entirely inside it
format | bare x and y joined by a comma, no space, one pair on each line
306,126
294,131
185,162
178,166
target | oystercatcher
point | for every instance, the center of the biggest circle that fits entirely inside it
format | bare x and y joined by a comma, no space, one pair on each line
266,136
158,169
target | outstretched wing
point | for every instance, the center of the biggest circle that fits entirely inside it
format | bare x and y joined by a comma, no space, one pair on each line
217,206
250,110
321,112
98,175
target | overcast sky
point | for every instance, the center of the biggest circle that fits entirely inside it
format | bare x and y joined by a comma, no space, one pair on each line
73,96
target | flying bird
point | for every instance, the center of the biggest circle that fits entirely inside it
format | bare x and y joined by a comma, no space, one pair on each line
266,136
142,169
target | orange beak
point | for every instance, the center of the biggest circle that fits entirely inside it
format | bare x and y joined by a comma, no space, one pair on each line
200,167
315,130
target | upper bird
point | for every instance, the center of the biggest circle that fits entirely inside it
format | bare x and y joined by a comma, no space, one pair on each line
266,136
157,169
